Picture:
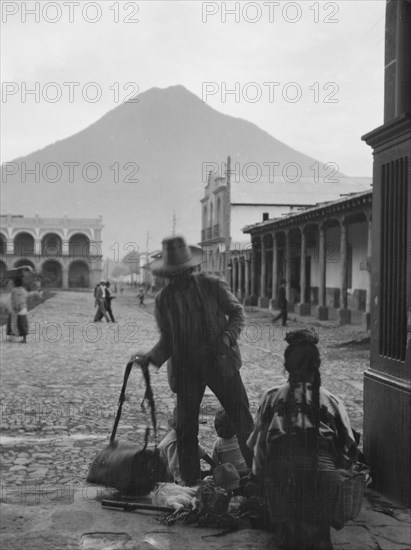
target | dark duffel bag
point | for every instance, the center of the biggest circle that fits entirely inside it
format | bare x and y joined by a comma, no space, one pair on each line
125,466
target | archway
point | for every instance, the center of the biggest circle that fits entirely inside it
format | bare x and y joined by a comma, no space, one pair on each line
22,263
79,275
79,246
24,245
52,274
51,246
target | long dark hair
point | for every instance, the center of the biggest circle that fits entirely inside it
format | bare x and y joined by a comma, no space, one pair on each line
302,362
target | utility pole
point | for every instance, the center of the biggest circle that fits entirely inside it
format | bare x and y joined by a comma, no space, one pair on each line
227,217
174,222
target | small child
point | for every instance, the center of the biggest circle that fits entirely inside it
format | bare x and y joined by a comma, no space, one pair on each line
169,454
226,448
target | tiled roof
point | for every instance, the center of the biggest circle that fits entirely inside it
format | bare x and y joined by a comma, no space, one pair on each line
306,191
343,203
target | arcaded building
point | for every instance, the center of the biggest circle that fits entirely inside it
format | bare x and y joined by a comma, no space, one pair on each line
322,252
66,252
228,206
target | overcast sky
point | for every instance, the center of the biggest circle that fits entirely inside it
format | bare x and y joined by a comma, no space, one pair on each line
309,73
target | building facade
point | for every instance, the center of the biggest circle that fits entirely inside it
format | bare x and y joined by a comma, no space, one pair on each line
387,382
229,204
65,251
322,252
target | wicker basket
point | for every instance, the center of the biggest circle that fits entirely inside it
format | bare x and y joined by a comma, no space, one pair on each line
349,499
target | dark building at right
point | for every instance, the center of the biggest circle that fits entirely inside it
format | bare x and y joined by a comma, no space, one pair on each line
387,382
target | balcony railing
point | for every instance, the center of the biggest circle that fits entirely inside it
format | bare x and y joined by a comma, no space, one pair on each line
210,232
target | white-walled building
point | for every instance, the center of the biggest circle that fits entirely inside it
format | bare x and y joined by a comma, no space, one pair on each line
231,203
65,251
322,252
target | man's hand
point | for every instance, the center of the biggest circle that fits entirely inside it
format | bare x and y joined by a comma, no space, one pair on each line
140,358
226,339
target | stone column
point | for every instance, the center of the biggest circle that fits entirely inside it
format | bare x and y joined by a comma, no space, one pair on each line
253,266
65,276
344,313
247,277
263,301
322,308
10,246
37,247
230,273
263,268
275,272
65,247
303,308
235,277
240,279
287,266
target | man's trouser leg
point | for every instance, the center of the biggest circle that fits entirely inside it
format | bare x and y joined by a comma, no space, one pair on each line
284,315
103,311
110,313
233,397
98,315
190,391
279,316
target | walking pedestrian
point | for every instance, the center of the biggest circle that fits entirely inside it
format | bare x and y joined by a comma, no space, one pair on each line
141,296
199,321
107,301
282,304
100,296
17,323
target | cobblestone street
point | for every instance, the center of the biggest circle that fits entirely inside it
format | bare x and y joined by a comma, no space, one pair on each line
59,392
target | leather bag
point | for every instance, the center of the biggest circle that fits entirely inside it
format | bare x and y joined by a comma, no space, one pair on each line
125,466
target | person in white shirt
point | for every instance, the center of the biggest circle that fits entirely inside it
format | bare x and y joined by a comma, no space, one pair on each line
169,454
226,448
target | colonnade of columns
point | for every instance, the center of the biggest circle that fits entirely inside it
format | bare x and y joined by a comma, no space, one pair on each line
246,287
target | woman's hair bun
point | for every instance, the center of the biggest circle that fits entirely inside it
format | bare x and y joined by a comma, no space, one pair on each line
301,336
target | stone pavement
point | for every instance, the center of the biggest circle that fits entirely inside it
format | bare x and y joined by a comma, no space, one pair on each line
59,394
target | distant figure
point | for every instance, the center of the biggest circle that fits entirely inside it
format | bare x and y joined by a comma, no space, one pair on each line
115,288
100,296
17,324
121,289
282,304
141,296
107,301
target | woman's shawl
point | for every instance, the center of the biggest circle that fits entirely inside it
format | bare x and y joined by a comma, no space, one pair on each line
18,299
274,414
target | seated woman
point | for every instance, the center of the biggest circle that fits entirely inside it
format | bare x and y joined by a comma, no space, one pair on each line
302,436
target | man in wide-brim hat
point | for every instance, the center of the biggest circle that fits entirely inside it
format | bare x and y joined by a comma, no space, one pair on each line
200,321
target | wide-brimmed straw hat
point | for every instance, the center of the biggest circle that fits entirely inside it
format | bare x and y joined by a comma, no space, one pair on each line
176,257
